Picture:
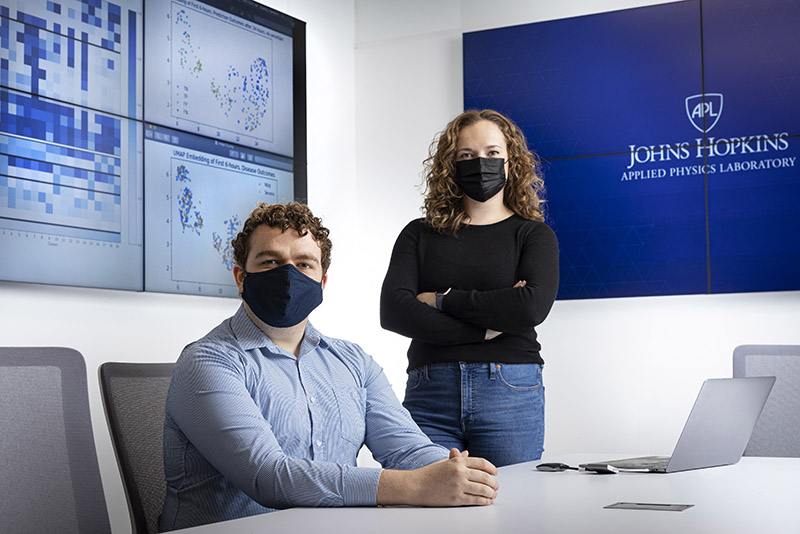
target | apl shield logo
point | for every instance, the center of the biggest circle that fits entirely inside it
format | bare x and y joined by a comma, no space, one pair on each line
704,110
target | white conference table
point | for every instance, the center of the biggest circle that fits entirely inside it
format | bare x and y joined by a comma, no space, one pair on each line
759,495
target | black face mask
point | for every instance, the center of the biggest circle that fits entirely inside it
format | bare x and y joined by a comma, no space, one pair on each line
481,178
281,297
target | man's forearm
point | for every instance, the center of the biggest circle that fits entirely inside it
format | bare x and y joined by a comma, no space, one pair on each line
397,488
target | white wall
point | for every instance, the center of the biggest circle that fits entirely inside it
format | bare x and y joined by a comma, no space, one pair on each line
384,76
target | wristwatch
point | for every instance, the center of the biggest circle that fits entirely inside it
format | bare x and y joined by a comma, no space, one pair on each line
440,296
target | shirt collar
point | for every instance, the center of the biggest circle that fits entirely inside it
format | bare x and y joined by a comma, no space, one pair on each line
251,336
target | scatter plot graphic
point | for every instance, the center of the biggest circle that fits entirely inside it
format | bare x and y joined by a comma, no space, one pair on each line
256,95
182,174
188,212
230,91
198,194
187,52
249,92
225,93
211,202
223,244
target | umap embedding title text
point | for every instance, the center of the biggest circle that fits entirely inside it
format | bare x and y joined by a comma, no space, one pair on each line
704,112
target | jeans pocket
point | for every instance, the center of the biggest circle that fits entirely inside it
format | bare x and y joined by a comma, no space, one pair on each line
414,379
352,403
520,377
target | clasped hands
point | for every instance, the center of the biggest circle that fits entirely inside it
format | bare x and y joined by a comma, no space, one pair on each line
459,480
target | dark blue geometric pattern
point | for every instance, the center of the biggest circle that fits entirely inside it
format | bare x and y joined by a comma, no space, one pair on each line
642,202
754,234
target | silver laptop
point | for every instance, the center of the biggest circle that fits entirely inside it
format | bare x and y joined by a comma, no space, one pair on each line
717,431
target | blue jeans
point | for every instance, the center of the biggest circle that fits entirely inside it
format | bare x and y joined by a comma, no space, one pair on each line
496,411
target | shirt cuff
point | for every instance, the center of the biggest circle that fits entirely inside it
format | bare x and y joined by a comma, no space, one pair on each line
361,486
440,298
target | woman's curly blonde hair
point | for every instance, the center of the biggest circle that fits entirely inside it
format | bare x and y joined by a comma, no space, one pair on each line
524,191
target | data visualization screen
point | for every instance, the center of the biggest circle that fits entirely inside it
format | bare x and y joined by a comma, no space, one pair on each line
221,84
199,192
216,74
70,142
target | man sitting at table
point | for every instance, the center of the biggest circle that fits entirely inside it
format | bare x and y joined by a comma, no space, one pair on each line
264,412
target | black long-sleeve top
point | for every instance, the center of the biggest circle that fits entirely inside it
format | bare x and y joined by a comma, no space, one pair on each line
480,264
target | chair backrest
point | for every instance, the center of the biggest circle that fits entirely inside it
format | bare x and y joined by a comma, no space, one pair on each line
134,396
777,432
49,473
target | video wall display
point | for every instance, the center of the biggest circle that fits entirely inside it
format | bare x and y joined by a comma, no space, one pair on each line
91,194
669,136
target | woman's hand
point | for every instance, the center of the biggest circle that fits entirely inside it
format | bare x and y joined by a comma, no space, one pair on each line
429,298
491,334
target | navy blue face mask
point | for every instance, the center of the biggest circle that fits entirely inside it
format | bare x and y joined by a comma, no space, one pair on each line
281,297
481,178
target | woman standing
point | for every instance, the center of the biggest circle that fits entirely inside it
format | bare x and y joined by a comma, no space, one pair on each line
468,283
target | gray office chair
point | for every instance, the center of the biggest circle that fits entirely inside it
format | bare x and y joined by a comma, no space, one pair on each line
134,395
777,432
49,473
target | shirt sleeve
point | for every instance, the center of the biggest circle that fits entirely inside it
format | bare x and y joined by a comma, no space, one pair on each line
514,310
210,403
392,436
400,310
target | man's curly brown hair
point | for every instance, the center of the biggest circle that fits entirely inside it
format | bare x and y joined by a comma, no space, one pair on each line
524,191
292,215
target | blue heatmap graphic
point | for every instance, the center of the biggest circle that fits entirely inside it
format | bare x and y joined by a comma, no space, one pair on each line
70,193
60,166
61,135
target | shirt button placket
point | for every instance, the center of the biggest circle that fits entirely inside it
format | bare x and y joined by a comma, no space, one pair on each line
312,409
311,402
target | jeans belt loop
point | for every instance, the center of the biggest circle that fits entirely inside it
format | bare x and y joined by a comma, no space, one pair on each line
493,370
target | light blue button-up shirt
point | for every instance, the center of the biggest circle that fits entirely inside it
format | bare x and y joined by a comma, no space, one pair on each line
249,428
